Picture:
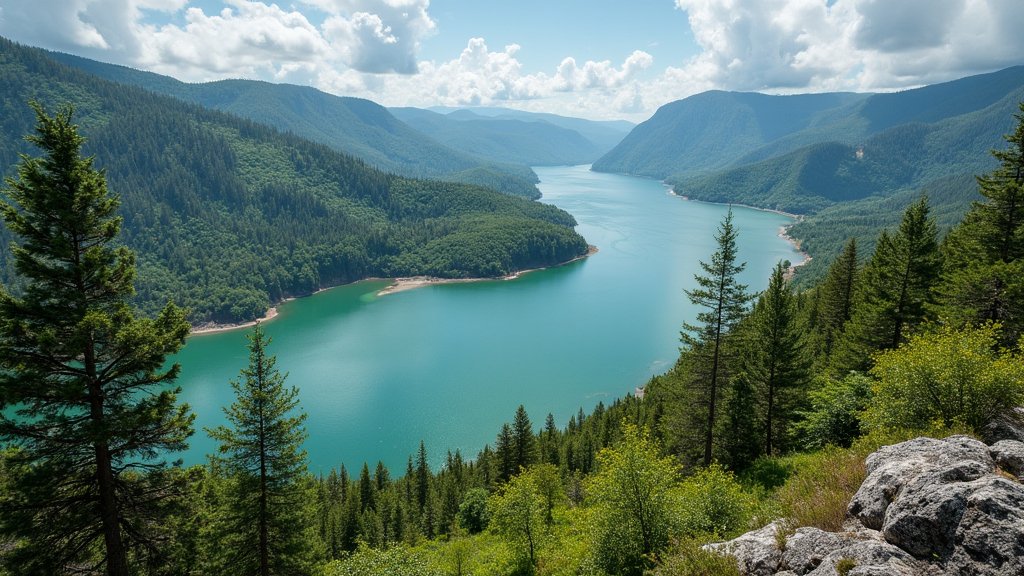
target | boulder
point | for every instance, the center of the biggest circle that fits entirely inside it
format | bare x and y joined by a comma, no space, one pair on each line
926,507
1009,455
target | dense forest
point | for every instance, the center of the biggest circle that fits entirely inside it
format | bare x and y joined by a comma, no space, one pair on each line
774,401
355,126
227,216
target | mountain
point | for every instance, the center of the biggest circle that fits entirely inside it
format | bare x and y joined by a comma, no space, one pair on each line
355,126
228,216
517,137
603,133
713,130
849,162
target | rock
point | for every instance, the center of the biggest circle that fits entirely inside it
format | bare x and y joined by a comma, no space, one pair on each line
1009,455
1007,426
990,535
756,552
927,507
891,468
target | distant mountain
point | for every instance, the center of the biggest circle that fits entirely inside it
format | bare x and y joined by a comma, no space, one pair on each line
355,126
521,137
606,134
228,216
713,130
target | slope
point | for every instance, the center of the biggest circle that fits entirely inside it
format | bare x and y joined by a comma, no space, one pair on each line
228,216
712,130
355,126
532,142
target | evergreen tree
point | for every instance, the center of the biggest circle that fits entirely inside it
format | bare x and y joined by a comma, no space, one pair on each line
267,519
776,364
549,441
422,477
835,298
983,275
367,490
724,302
84,395
505,452
524,444
896,290
741,437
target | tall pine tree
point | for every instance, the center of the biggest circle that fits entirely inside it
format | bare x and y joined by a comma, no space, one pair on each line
896,291
724,302
835,298
84,390
267,528
983,272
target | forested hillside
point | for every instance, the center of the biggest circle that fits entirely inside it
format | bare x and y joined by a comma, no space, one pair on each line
228,216
355,126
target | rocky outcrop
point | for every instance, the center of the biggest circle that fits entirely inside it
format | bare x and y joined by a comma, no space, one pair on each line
953,506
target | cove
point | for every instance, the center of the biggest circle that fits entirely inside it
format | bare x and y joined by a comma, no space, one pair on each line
448,363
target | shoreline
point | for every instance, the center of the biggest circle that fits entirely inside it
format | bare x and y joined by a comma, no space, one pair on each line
413,282
783,230
397,285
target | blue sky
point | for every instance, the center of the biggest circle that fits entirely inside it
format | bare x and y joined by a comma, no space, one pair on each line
588,58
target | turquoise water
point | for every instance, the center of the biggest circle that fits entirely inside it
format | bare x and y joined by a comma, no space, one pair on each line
449,363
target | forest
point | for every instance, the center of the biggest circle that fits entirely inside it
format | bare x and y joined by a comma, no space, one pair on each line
229,217
773,403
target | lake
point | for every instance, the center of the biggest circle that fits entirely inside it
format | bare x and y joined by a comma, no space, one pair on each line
449,363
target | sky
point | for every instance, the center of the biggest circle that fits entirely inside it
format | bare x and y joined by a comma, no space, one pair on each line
599,59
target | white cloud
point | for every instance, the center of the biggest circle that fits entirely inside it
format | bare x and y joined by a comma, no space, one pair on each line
371,48
810,45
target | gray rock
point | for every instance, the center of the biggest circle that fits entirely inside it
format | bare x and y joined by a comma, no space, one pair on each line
1009,455
870,557
1006,426
990,535
756,552
807,547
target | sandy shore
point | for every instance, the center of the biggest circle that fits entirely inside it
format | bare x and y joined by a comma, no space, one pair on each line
411,283
212,327
397,285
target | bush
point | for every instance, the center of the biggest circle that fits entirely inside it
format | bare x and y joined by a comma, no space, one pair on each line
835,414
712,503
473,512
689,559
951,377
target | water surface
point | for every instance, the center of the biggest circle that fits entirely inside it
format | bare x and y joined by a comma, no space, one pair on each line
449,363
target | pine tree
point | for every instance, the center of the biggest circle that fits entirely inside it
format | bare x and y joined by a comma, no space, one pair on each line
983,275
505,454
422,477
262,450
896,291
724,301
524,443
776,364
84,389
835,299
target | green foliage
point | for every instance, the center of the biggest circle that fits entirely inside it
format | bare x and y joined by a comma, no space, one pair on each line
821,487
955,377
228,216
366,561
844,565
688,558
266,520
85,394
517,513
474,516
834,416
984,268
713,504
896,291
636,503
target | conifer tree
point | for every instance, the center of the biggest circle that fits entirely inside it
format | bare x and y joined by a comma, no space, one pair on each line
422,477
84,390
776,364
524,444
983,272
835,299
724,302
267,523
505,453
896,291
